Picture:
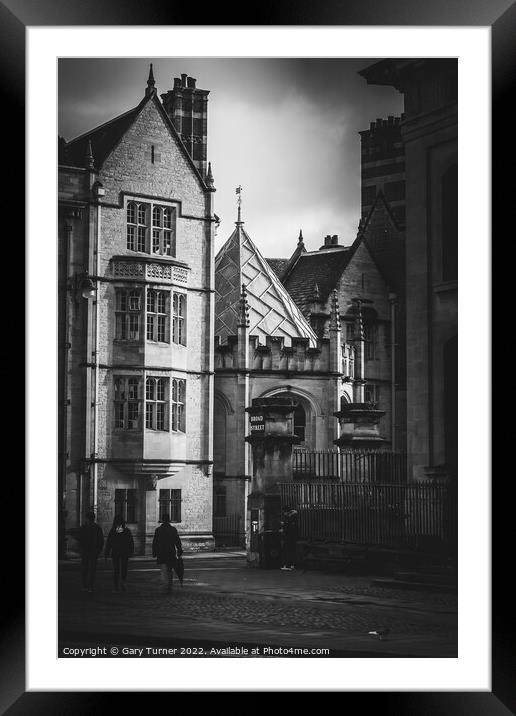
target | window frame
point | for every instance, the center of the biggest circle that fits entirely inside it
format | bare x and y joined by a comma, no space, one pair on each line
157,315
375,388
154,402
129,506
178,407
371,333
171,505
126,402
179,326
154,232
124,314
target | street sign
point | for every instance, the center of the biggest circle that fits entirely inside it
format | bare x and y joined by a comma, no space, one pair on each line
257,423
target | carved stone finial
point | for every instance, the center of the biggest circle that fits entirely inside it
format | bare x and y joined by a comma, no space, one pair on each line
335,312
151,84
89,162
209,177
359,321
238,192
244,309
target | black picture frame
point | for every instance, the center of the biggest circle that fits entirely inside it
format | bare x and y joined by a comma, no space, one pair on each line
500,15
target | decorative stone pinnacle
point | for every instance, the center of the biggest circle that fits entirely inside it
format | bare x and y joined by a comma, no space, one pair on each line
300,239
360,333
238,192
151,89
209,177
88,158
244,309
335,312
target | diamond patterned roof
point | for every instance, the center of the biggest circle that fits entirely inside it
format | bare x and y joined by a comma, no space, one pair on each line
272,312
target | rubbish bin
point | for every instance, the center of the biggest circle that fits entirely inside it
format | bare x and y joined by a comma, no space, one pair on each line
270,549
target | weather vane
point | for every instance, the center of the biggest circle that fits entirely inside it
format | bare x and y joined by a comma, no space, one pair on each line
238,192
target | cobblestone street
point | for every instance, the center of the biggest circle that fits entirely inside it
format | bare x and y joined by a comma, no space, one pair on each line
225,602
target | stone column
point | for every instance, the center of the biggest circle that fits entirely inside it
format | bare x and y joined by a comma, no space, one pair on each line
272,436
359,427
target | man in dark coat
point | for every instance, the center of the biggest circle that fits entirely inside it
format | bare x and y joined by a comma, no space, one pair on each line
289,530
166,547
91,540
120,546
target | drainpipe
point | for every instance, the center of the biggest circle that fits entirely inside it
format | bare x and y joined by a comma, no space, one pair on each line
64,406
98,192
393,301
358,384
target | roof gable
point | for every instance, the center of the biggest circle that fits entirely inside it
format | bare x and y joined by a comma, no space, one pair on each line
272,312
385,241
105,138
323,268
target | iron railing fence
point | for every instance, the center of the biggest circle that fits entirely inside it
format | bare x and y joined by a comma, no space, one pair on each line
374,514
229,530
350,466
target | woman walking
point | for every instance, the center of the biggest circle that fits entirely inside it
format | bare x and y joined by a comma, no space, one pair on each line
120,546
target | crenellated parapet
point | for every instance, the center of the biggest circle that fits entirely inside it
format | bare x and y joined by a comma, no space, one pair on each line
285,355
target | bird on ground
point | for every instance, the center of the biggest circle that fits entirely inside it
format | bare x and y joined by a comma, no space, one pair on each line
380,633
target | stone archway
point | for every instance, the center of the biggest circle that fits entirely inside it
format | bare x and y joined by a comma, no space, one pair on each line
306,413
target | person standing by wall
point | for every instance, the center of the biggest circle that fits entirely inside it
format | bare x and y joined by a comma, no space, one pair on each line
289,531
166,547
120,546
91,541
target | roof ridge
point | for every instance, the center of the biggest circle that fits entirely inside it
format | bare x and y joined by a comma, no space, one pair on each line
137,110
104,124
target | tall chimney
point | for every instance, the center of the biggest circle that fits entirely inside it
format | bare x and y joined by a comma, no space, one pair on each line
187,107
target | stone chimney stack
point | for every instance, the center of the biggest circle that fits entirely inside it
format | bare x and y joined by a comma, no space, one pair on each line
187,107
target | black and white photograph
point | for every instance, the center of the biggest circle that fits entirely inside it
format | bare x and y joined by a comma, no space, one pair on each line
257,405
257,370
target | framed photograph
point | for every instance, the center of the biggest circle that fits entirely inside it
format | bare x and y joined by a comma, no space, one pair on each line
257,369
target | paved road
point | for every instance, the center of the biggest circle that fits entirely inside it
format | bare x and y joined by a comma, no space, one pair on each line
224,602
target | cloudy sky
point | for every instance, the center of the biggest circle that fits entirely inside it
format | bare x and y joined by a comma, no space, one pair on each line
286,130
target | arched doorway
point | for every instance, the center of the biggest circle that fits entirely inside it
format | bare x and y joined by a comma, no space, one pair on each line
305,413
300,422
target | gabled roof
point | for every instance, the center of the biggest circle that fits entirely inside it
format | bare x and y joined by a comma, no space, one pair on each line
278,266
324,268
106,137
272,312
103,139
385,241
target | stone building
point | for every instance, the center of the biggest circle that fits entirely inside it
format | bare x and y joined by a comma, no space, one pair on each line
383,166
287,328
136,319
429,136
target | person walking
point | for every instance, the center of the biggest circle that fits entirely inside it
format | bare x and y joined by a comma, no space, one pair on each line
91,541
120,546
166,547
289,531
